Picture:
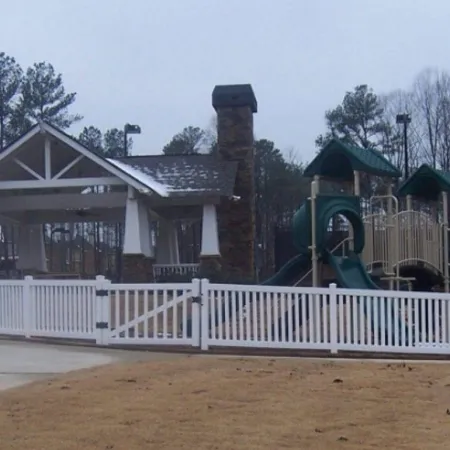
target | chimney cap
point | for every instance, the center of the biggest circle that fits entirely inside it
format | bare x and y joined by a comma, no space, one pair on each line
234,95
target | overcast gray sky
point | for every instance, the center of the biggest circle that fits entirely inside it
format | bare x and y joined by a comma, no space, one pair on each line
155,62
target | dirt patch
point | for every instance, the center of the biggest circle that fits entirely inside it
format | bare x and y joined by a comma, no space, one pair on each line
224,403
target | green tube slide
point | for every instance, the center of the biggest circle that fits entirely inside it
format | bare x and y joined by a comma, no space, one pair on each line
291,272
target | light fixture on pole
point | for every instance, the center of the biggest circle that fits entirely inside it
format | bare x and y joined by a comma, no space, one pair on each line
129,129
405,119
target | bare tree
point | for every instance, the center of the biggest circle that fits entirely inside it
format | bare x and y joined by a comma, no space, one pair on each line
427,112
443,141
399,102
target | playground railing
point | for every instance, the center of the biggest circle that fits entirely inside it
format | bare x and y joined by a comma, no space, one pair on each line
406,238
420,239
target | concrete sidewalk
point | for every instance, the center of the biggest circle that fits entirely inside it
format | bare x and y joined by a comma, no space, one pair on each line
24,362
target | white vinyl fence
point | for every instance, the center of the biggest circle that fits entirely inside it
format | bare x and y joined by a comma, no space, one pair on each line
205,315
325,319
51,308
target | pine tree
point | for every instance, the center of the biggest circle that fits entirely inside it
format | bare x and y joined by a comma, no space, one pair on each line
10,80
43,96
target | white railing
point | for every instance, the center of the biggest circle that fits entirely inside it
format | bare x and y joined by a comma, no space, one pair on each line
265,316
61,309
162,270
201,314
51,308
325,318
157,314
12,307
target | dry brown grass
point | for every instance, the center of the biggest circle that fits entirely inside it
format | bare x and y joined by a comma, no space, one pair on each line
220,403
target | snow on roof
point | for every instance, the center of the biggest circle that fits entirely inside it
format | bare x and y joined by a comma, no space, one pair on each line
142,177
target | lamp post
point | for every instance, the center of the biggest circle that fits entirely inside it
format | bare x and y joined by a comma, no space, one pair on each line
129,129
405,119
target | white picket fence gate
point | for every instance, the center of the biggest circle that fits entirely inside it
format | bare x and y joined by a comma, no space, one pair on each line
205,315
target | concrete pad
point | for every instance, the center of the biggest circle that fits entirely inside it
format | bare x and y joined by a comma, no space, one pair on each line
23,362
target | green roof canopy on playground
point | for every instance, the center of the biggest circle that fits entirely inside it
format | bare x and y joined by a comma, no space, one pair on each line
426,183
338,161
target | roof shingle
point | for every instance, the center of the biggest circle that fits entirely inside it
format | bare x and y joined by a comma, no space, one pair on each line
186,175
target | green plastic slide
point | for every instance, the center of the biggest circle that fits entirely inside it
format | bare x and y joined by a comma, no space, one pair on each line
291,272
350,272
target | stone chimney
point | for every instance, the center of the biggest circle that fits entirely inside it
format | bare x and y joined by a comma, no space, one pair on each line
235,106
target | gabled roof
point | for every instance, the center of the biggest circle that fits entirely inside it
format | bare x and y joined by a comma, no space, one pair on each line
185,174
338,160
167,176
426,183
145,186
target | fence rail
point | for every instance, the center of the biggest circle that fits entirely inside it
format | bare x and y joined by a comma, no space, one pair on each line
206,315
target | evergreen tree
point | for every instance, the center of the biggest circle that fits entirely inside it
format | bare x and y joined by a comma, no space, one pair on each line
109,144
10,80
91,137
43,96
187,142
359,120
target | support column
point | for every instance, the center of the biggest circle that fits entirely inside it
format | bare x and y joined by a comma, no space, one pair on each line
357,192
408,246
392,243
31,249
138,254
314,254
409,202
167,243
317,180
357,183
445,226
210,260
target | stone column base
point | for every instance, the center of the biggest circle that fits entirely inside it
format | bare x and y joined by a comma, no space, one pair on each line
137,269
210,268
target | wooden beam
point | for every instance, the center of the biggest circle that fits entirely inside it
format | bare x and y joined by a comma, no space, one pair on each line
6,220
102,162
40,217
28,169
48,158
68,167
180,212
60,183
194,200
48,202
21,141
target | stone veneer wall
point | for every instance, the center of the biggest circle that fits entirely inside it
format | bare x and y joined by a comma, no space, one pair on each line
237,218
137,269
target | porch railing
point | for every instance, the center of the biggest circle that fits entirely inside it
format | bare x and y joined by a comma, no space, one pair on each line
167,270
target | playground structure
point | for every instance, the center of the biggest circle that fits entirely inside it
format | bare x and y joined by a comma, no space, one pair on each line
403,248
384,246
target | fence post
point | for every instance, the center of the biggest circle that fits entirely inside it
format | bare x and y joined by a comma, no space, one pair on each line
29,309
333,318
204,321
102,310
196,312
